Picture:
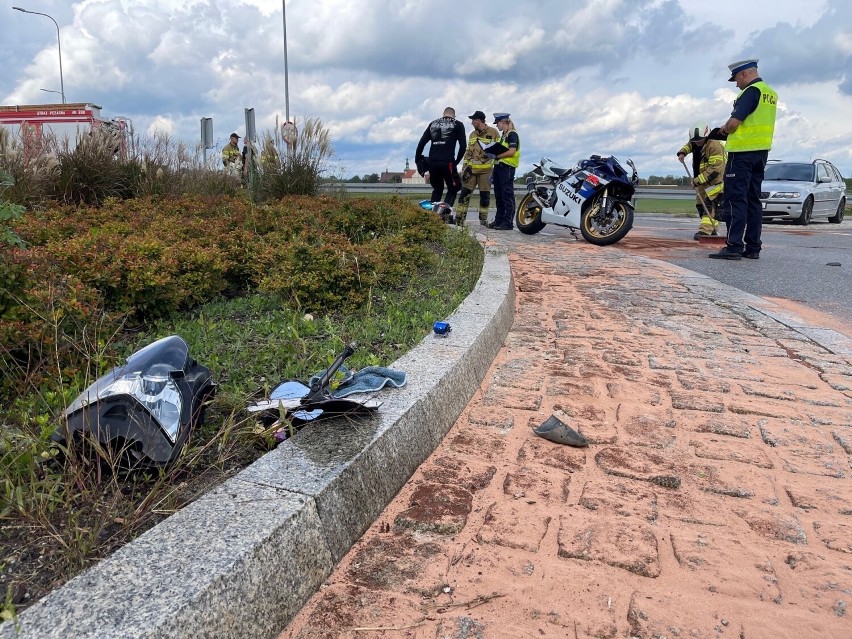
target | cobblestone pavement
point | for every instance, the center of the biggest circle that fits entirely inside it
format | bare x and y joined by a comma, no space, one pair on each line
713,501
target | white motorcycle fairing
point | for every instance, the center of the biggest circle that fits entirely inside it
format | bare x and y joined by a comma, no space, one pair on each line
569,199
595,197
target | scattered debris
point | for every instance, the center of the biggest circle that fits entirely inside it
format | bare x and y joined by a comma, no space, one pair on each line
553,429
293,403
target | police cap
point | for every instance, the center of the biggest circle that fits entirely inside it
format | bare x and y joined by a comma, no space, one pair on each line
742,65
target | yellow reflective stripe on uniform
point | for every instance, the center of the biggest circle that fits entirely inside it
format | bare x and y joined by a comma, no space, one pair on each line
756,131
714,190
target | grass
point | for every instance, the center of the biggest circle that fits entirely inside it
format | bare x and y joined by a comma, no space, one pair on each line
63,510
677,208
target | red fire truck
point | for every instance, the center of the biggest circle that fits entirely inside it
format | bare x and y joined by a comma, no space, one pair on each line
32,118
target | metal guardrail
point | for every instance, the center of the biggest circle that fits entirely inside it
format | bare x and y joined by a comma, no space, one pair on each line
655,192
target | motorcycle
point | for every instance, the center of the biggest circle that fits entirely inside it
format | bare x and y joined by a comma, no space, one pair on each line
596,196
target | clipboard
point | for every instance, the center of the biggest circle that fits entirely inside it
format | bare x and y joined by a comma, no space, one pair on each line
497,148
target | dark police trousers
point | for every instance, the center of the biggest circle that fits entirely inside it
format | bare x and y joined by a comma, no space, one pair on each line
743,179
504,194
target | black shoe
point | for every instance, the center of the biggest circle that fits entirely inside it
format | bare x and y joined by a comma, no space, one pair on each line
751,256
727,254
502,227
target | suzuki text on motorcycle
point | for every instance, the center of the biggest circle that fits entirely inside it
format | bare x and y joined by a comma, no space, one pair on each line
596,196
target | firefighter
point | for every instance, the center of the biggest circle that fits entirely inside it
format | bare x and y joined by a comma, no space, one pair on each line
269,158
708,167
477,168
232,159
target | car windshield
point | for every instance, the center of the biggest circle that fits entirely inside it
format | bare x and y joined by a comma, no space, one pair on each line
789,171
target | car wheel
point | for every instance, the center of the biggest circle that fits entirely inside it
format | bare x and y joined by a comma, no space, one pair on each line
837,218
807,212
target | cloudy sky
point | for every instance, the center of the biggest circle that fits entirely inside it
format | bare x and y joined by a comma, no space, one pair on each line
614,77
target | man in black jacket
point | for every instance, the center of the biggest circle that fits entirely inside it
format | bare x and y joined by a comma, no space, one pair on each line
443,135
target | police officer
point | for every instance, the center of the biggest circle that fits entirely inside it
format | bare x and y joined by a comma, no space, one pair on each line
504,172
443,134
477,168
708,167
749,133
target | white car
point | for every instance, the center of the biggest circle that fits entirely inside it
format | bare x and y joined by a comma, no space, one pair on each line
802,191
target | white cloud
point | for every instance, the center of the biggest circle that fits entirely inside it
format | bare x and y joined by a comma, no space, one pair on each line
579,76
161,124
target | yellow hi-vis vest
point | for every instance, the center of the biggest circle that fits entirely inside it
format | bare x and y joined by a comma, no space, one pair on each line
515,160
756,131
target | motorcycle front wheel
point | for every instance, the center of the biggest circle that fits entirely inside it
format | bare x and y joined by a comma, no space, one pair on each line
603,227
528,216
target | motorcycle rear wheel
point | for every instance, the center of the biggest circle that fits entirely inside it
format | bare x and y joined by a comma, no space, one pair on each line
604,228
528,216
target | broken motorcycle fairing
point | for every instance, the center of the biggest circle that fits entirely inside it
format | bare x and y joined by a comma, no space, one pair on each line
301,402
146,407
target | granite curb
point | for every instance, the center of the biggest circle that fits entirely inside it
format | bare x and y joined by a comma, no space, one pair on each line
242,560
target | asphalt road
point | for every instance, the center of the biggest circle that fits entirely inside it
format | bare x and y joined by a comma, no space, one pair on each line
793,265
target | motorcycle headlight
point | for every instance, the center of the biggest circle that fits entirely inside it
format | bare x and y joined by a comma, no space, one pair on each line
153,389
152,400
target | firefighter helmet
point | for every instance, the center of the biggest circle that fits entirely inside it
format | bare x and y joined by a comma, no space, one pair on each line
699,130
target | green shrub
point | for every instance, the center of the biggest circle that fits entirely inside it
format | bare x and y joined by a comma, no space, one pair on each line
150,259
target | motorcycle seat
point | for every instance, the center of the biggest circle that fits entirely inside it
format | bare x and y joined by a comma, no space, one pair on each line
559,172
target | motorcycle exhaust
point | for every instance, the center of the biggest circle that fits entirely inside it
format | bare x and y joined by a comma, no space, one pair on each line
537,198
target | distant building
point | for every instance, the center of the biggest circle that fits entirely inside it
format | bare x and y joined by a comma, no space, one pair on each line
409,176
390,177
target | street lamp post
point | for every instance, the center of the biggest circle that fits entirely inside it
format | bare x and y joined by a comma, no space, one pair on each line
59,45
286,87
